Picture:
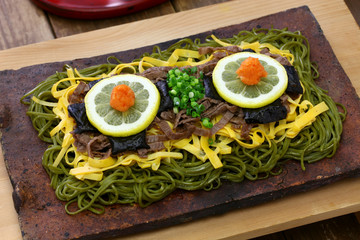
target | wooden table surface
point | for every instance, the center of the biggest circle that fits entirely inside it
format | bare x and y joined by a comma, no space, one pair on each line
22,23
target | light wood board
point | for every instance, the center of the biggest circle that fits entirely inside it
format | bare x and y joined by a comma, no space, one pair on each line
333,200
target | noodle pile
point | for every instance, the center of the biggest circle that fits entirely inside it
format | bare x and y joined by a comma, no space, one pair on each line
133,184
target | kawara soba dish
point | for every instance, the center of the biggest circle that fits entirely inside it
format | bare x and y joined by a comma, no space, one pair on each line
191,117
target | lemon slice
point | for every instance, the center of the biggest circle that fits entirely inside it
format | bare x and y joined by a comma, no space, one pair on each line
114,123
233,90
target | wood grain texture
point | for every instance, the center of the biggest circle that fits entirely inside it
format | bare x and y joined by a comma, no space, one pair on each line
183,5
65,27
354,6
22,25
338,27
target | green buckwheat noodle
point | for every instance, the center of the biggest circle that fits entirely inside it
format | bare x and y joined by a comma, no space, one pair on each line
132,184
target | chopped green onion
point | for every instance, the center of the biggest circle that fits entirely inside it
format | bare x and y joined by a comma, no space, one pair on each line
201,107
173,92
194,104
186,90
176,101
193,70
186,76
206,123
177,72
201,74
195,114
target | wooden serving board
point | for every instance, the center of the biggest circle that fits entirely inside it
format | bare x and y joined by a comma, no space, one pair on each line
59,226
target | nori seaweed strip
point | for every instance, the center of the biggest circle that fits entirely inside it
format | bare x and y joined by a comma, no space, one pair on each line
270,113
78,112
248,50
130,143
210,90
92,83
294,86
166,101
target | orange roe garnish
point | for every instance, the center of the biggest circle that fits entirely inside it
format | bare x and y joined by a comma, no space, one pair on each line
122,98
251,71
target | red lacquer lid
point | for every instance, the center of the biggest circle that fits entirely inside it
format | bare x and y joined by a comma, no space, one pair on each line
95,9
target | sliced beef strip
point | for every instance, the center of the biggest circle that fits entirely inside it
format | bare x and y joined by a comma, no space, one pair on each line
219,108
209,102
94,144
79,93
168,116
155,74
208,67
99,147
223,121
178,117
182,118
189,120
202,132
282,60
229,49
220,55
181,134
245,130
81,140
156,138
285,103
154,147
238,119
